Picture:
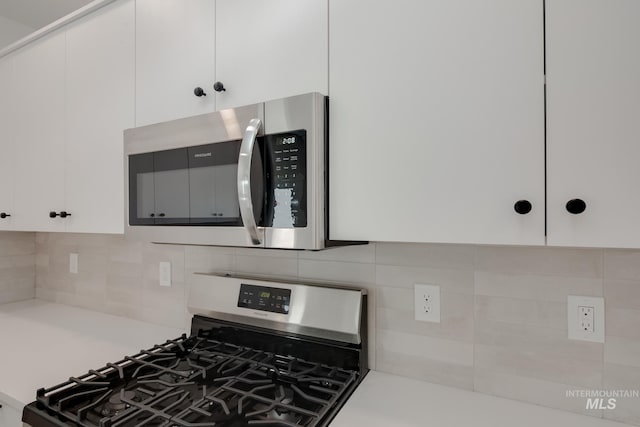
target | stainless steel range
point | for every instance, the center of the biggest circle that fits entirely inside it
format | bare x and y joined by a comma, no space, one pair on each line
260,352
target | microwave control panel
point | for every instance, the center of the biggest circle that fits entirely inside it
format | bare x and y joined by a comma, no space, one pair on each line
287,203
263,298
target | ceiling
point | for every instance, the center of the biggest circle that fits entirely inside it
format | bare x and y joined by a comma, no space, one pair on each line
38,13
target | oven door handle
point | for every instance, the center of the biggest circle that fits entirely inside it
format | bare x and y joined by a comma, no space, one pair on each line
244,179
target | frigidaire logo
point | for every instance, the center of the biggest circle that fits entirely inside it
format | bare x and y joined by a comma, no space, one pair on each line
202,155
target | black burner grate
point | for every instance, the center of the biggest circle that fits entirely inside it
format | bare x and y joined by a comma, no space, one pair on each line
200,382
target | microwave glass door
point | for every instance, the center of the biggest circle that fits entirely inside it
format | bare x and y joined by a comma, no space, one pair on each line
171,186
192,186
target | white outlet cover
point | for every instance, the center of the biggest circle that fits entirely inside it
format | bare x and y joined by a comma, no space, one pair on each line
427,302
576,332
165,274
73,263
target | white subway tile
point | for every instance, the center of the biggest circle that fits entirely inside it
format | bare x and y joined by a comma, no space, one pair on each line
455,281
541,261
535,287
460,257
334,271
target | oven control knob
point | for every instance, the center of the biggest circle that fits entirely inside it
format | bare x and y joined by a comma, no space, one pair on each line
199,92
576,206
522,207
218,87
3,215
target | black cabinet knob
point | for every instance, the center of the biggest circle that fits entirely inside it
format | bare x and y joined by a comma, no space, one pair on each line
53,214
576,206
199,92
161,214
218,87
64,214
3,215
522,207
152,215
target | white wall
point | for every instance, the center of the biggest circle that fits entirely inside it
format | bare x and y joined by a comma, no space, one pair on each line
12,31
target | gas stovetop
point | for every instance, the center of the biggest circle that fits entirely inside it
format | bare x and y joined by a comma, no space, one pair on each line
223,374
203,382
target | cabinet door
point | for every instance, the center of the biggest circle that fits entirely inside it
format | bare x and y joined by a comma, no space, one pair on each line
40,134
7,142
270,49
175,42
100,105
593,126
436,120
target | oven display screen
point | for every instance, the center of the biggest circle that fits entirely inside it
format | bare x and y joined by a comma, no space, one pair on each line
275,300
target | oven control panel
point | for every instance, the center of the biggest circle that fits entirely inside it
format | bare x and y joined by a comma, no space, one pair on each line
263,298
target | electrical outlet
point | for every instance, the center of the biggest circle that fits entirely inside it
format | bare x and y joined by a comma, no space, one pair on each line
73,263
427,303
165,274
585,317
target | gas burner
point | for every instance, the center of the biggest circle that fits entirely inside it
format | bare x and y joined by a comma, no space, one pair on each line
116,404
285,396
182,369
160,377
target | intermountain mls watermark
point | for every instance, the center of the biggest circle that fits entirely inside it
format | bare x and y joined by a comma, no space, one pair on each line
603,399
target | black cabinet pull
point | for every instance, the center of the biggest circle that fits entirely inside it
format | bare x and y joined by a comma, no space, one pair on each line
161,214
219,87
576,206
152,215
62,214
199,92
522,207
3,215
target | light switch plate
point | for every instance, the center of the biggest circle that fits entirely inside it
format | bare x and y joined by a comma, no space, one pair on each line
585,318
165,274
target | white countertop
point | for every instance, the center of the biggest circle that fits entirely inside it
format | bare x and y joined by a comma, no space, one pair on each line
43,344
384,400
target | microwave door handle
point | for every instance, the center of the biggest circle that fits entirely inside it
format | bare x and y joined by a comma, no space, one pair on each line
244,179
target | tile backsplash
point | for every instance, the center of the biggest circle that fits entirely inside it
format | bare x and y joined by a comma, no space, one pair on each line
17,272
504,316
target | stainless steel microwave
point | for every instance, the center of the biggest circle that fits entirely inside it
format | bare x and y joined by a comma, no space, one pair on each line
253,176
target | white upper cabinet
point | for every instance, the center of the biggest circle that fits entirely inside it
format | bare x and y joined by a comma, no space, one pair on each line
593,122
257,49
175,53
7,143
268,49
39,102
100,105
436,121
